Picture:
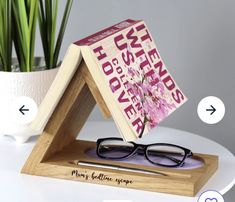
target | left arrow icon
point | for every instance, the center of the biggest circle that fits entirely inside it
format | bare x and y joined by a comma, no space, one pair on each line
22,109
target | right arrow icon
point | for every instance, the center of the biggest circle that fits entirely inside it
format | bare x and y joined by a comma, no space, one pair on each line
212,110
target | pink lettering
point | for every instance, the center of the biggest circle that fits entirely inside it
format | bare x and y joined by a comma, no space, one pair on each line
117,39
107,68
100,51
121,97
134,39
169,83
129,111
147,35
138,124
114,84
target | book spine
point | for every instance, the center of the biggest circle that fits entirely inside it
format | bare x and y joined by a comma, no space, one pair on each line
106,33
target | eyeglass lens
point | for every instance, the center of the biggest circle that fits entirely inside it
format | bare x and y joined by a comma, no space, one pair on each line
165,155
115,149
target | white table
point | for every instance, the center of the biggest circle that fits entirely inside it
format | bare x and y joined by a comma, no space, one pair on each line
16,187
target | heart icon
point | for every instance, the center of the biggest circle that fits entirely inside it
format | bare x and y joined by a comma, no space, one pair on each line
211,200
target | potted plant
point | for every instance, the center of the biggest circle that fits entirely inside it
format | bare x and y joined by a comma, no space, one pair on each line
27,75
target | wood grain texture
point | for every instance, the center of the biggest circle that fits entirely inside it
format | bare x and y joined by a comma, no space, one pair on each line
95,92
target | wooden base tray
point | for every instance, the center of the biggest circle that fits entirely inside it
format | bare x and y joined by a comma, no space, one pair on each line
181,182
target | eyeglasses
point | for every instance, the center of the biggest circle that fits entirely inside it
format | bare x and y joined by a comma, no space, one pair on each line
161,154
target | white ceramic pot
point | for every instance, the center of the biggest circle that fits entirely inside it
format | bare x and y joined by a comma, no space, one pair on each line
16,84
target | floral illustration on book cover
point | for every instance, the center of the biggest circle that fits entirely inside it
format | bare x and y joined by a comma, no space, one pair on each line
141,85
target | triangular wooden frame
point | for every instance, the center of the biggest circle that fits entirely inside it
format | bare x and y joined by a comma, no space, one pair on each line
57,145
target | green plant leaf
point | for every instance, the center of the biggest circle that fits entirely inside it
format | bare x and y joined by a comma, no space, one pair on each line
48,11
25,13
53,32
62,30
5,35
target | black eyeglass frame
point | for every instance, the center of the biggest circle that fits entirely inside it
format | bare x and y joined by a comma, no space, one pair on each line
144,149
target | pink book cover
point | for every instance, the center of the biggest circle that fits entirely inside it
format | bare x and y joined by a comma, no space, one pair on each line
132,67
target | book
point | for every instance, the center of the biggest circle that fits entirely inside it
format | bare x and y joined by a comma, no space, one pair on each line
129,73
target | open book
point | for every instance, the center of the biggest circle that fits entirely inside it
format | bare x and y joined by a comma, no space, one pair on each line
129,73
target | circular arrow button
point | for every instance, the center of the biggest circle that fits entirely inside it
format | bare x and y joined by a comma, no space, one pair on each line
24,110
211,110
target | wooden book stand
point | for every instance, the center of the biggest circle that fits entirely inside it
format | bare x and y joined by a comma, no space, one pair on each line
57,147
